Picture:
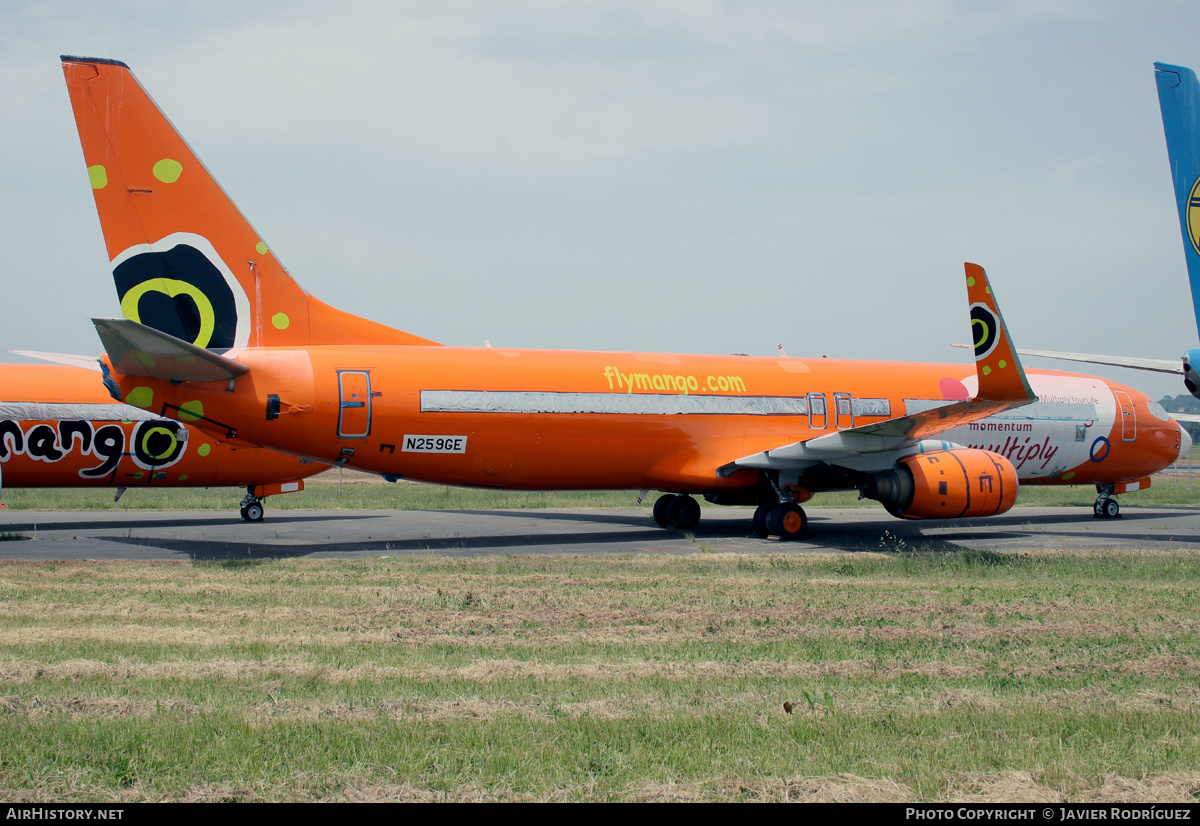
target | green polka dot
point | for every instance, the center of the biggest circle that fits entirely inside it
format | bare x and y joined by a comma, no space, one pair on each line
168,171
281,321
191,411
970,281
987,290
137,475
141,397
987,370
1003,364
260,248
98,175
204,450
183,477
1067,476
144,359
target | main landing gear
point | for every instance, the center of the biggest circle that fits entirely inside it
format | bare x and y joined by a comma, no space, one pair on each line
783,518
251,507
1106,506
786,520
682,512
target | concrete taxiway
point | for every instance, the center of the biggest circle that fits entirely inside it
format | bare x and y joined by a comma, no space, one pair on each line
64,535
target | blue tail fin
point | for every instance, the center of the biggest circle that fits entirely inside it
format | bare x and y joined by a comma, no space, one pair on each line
1179,99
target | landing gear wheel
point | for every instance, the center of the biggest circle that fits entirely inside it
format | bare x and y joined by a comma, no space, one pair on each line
685,513
1098,508
662,510
1112,509
787,521
251,506
760,521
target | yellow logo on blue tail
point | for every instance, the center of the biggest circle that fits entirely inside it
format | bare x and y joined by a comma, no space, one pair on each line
1193,216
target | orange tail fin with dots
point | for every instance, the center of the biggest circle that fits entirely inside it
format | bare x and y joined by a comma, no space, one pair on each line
1001,378
184,259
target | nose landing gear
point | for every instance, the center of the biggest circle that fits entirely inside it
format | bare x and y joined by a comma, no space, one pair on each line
1106,506
251,507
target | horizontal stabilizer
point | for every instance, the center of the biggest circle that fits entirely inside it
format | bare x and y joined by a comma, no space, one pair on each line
137,350
86,362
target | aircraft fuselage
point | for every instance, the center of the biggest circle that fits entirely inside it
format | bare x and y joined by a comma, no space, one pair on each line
536,419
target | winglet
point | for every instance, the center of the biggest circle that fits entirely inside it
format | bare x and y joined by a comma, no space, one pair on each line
1001,377
137,350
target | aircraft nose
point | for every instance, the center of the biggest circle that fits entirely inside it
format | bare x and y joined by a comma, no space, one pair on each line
1185,442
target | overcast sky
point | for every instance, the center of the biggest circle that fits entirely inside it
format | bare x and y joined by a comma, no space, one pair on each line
679,176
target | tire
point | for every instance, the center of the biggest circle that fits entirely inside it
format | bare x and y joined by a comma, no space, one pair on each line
787,521
1112,509
685,513
1098,508
253,512
662,510
760,521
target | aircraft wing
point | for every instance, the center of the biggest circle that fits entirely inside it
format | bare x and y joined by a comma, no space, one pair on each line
1002,386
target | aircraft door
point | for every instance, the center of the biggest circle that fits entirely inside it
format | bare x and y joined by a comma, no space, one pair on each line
818,418
843,411
1128,416
354,418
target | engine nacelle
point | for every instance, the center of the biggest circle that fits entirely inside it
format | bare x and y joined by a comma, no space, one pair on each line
946,484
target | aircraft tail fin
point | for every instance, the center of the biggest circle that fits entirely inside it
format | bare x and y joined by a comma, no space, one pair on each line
184,259
1001,376
1179,100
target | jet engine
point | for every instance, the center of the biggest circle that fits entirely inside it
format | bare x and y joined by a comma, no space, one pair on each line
946,484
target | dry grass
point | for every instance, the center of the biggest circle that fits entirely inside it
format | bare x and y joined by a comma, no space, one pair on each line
874,677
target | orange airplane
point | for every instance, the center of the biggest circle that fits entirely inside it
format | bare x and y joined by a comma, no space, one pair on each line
216,334
58,428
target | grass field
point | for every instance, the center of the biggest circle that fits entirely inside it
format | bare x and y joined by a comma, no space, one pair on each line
964,676
976,676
